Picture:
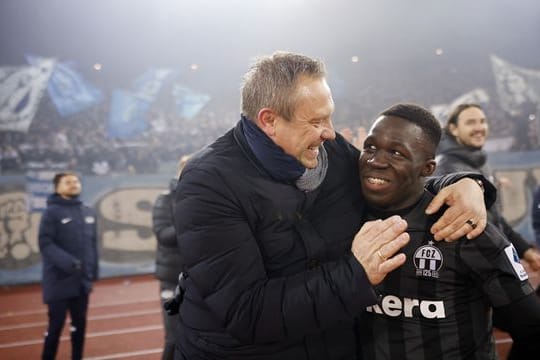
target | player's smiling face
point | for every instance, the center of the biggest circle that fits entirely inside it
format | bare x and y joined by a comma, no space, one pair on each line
393,163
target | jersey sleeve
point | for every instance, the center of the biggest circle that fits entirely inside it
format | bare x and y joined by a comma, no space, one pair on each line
493,263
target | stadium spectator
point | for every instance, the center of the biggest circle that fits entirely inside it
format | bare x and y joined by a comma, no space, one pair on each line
168,265
68,246
461,149
536,215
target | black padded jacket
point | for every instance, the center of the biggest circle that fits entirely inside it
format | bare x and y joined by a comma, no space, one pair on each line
167,256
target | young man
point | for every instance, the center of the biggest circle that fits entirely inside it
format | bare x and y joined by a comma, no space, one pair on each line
68,245
461,149
268,219
437,305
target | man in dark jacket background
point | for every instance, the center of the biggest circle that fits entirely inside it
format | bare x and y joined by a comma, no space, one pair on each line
268,219
461,149
536,215
68,246
168,265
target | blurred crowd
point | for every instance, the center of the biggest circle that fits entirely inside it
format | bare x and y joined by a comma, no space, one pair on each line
80,142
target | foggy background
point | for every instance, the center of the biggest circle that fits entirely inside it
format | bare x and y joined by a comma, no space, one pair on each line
395,40
377,52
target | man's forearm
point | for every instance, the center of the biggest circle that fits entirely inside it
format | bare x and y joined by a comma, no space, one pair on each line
436,183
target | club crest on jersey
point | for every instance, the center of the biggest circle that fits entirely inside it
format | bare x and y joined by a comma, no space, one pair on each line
428,260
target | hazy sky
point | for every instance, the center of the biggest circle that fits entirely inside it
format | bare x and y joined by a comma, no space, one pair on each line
221,36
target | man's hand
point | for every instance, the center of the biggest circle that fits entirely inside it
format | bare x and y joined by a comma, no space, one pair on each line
466,214
532,257
376,244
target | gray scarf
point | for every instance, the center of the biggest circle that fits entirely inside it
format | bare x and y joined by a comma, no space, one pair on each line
312,178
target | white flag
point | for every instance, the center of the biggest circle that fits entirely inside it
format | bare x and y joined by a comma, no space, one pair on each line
476,96
515,85
21,89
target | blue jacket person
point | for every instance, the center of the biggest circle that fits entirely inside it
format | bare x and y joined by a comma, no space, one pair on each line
68,246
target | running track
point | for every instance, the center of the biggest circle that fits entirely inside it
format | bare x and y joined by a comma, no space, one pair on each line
124,322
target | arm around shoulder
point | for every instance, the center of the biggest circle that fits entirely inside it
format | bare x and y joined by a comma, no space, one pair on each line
436,183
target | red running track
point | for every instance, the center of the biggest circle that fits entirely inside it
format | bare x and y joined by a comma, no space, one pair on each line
124,322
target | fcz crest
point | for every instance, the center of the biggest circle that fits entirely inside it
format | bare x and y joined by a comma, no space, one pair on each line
428,260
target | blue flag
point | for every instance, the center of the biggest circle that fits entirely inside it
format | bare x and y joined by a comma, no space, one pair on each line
69,92
148,85
128,115
188,102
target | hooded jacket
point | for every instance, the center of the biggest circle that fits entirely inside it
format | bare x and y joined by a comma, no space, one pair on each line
167,256
68,246
453,157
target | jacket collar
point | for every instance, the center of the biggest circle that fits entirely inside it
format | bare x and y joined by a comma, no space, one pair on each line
55,198
476,158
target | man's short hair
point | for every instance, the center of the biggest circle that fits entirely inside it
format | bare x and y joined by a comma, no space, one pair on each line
271,83
420,116
58,177
454,115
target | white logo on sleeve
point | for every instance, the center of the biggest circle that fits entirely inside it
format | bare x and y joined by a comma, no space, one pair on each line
89,220
513,257
65,220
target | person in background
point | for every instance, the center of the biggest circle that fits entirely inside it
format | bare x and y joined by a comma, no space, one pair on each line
535,213
437,305
355,139
461,149
277,259
168,265
68,246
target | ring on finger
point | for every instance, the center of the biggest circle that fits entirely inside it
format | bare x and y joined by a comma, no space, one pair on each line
471,223
383,258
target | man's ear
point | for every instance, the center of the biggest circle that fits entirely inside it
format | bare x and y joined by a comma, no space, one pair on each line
266,120
429,168
452,128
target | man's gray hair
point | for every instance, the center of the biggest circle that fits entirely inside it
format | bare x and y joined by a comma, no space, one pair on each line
271,83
